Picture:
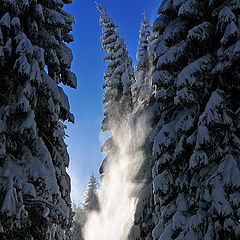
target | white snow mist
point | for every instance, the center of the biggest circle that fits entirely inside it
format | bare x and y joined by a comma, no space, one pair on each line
119,189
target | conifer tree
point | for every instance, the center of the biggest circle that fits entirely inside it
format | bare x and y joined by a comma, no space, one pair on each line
34,185
196,140
144,108
118,79
89,204
119,73
141,88
90,199
145,32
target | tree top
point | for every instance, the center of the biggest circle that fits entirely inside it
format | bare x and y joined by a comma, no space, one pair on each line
100,8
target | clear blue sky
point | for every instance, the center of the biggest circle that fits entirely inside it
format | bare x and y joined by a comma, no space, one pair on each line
85,138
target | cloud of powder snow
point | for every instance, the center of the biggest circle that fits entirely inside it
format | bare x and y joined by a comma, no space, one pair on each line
118,193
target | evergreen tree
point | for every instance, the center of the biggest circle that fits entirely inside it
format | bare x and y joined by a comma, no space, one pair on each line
118,79
144,107
145,32
196,183
141,88
34,185
90,199
119,74
90,203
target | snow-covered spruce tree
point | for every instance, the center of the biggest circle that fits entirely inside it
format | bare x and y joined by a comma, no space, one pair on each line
144,107
196,141
90,199
90,203
141,88
34,186
118,79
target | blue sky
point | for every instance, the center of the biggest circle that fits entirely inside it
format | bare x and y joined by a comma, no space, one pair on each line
85,137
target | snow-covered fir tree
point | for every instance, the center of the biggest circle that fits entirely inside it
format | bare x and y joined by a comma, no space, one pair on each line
34,185
119,74
145,32
89,204
118,79
144,107
90,199
196,183
141,88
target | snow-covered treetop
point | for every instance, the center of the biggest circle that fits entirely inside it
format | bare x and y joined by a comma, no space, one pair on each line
119,74
90,199
100,8
142,88
145,32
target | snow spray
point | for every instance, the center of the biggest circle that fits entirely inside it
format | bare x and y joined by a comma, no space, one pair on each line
118,193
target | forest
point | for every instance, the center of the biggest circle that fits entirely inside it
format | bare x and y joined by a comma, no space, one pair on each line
171,169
